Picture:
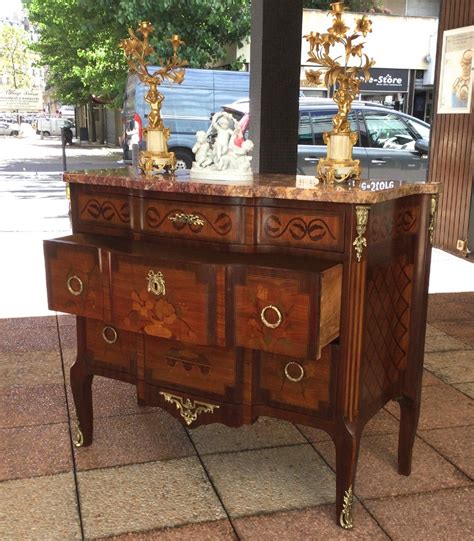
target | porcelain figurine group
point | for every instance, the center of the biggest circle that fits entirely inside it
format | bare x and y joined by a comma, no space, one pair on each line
222,152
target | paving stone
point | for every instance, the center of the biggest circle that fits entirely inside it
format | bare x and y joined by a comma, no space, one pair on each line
266,480
437,516
219,530
146,496
456,444
40,508
265,432
313,524
30,368
34,450
133,439
452,366
25,405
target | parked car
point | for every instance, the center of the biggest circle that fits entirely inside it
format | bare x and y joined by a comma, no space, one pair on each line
391,145
51,126
9,128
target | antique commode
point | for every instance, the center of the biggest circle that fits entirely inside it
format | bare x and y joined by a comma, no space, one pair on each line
224,302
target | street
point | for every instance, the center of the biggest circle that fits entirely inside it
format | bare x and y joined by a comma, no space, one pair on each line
33,207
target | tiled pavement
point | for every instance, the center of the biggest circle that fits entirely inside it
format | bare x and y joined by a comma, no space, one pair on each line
145,477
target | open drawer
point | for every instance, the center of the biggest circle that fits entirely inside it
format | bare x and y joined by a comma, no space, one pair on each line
285,311
73,276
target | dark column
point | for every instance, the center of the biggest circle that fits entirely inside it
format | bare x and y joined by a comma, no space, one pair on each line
275,59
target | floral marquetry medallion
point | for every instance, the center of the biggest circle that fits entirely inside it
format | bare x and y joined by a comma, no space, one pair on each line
173,302
159,317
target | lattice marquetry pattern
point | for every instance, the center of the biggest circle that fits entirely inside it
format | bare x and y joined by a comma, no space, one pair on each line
387,318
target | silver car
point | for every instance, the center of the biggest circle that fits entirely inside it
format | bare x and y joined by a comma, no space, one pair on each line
8,128
391,145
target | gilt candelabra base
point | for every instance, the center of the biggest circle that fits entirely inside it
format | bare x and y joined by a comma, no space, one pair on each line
338,166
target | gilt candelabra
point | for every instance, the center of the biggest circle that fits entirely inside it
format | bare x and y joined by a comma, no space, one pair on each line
156,155
345,78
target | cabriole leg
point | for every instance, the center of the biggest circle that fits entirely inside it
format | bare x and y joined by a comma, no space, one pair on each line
409,414
347,452
81,385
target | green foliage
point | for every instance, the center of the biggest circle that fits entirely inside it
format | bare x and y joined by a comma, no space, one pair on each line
15,57
79,38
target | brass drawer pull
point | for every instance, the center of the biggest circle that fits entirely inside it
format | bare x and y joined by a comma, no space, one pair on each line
109,334
265,320
292,378
190,219
156,283
75,290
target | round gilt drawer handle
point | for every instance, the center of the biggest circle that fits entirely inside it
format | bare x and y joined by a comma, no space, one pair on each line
156,283
71,282
265,320
292,378
109,334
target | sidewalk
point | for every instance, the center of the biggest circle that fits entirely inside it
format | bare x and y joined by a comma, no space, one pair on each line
145,473
145,477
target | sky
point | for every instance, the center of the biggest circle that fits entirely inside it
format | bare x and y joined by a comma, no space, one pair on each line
9,7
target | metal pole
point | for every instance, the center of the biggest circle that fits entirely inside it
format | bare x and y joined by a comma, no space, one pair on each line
63,144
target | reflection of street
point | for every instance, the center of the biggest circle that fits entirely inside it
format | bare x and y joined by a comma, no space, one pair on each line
33,207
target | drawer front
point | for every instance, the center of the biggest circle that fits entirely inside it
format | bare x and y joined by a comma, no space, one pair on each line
111,348
73,278
275,310
174,300
211,372
314,229
302,385
217,223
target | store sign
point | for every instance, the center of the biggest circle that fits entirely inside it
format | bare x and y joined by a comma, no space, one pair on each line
385,80
21,100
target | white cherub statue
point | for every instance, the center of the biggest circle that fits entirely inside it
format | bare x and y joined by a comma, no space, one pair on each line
202,150
224,125
222,154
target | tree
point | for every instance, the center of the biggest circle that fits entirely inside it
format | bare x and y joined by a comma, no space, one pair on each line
79,38
15,56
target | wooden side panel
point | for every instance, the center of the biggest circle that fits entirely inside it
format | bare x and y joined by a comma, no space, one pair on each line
78,266
210,371
451,152
187,309
388,300
330,312
315,229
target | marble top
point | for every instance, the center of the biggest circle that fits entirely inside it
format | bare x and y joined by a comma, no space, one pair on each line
294,187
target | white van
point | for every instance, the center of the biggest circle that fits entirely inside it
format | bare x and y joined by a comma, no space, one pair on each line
52,126
187,108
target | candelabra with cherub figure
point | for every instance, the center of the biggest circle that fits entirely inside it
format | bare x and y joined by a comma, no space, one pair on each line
156,156
339,166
